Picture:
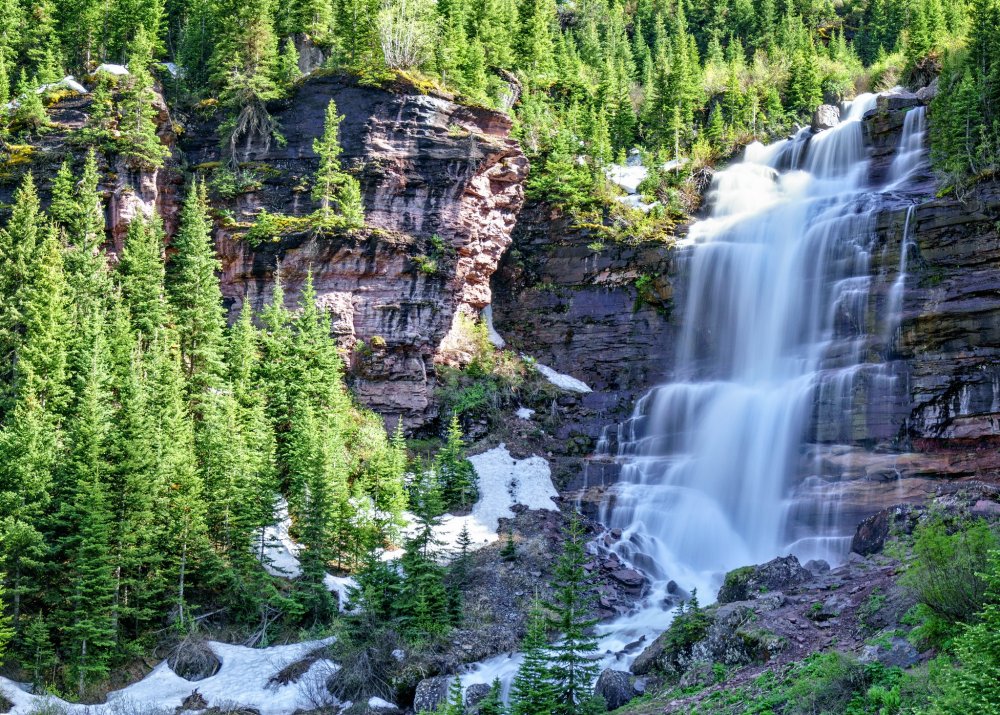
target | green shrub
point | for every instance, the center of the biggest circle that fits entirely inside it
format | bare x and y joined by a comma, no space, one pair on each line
946,574
971,687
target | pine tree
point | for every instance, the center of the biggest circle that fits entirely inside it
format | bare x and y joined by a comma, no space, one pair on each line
41,366
383,484
29,114
195,297
139,142
142,275
332,185
87,611
314,465
184,541
29,445
6,631
243,66
456,474
533,691
454,703
19,241
136,488
493,704
571,670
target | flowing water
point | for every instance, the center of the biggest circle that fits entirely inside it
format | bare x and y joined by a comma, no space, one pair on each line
774,339
716,463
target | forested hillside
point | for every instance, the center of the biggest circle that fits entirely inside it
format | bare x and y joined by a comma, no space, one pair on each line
691,79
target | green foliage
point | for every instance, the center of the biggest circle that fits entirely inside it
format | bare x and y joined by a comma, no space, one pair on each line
333,187
970,686
457,476
946,574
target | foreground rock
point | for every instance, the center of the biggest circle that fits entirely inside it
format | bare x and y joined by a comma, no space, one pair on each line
616,687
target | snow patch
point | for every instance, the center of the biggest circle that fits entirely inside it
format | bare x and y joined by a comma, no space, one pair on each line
380,704
244,679
525,413
503,482
566,382
627,177
116,70
495,338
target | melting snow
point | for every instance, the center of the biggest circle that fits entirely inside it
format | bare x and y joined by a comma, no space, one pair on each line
243,679
566,382
627,177
495,338
380,704
281,555
525,413
117,70
503,482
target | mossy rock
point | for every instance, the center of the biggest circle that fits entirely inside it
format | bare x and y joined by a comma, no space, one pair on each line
736,585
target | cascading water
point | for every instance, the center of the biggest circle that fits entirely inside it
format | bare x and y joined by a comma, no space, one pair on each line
715,463
774,338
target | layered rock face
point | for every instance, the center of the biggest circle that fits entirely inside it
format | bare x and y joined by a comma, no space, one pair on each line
441,182
599,311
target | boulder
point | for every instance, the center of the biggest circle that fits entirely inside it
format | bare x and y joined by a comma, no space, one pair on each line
928,93
827,116
898,654
475,694
699,675
870,536
617,687
776,575
374,706
897,100
431,693
630,578
817,566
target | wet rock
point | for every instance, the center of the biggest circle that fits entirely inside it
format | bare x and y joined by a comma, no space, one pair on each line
630,578
896,101
475,694
870,536
431,693
617,687
817,566
744,583
827,116
899,654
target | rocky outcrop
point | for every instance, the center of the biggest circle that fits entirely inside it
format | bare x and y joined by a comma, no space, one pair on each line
595,309
826,117
441,186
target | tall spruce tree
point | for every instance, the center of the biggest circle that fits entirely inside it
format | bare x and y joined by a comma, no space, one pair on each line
195,297
571,668
533,691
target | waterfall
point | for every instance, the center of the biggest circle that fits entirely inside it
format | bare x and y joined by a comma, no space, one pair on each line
774,338
718,466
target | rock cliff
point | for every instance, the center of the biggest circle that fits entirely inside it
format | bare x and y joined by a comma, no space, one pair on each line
442,190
